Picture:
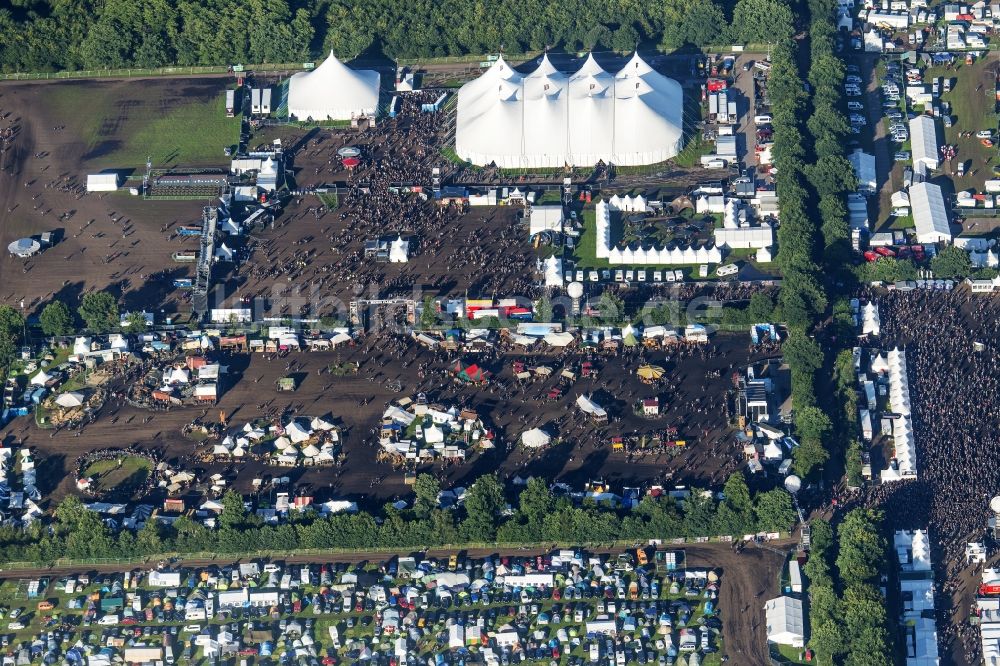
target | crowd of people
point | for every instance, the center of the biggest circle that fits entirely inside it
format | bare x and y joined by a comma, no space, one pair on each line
386,196
952,344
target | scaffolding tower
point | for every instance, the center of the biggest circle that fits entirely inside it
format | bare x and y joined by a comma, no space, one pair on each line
206,256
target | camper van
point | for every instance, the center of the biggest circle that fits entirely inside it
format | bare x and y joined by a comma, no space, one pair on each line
728,269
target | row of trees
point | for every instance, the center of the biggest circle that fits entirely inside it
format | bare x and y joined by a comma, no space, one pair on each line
847,612
802,299
539,516
98,312
45,35
831,178
11,332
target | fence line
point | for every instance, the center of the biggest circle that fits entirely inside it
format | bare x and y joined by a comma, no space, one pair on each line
145,72
190,70
298,552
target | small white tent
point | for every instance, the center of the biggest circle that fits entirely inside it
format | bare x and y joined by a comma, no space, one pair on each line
588,406
399,251
535,438
40,379
70,399
298,432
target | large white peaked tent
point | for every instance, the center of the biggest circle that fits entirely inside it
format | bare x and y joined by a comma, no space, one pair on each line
550,119
333,91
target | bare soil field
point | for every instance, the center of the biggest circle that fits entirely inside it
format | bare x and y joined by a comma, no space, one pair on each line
694,400
103,241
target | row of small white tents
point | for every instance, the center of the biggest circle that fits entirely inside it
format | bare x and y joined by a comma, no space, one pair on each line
899,402
642,256
871,323
673,256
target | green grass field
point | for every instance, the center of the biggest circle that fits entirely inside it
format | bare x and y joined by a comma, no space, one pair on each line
329,199
972,107
109,475
118,132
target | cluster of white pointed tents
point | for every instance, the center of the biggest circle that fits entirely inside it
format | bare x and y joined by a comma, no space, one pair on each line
551,119
899,401
871,324
644,256
314,440
333,91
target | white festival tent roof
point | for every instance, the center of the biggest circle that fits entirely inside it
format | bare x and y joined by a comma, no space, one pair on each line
535,438
70,399
550,119
333,91
588,406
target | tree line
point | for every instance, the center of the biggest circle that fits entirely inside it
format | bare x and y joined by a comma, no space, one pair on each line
54,35
97,312
847,612
538,516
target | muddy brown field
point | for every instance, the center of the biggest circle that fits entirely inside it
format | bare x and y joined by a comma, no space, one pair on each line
693,404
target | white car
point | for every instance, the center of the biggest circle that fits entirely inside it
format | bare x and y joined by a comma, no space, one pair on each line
191,628
984,134
855,106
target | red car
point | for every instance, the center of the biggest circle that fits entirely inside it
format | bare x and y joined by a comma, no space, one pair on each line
870,256
885,252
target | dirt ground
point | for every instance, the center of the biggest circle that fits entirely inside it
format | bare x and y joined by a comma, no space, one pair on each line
694,404
103,241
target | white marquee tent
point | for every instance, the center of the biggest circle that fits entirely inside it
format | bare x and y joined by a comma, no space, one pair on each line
785,624
333,91
102,182
535,438
70,399
551,119
923,141
930,216
904,446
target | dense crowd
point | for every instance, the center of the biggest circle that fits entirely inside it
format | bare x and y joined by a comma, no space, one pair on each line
386,197
955,403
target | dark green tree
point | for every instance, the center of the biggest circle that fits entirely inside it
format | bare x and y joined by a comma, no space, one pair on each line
951,262
99,311
56,319
483,505
762,21
543,309
774,511
427,489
